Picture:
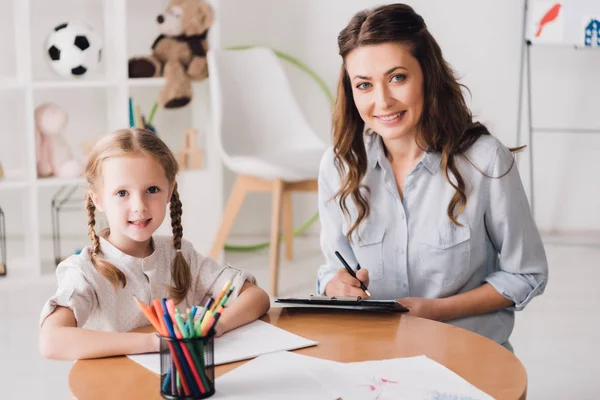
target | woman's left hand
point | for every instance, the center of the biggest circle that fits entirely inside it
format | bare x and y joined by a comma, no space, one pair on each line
423,308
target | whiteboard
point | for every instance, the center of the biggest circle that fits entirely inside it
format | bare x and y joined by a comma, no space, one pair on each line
572,22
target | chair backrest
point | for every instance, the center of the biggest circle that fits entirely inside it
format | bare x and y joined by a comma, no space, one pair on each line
253,107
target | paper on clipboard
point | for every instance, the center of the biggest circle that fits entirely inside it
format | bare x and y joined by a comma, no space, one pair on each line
348,303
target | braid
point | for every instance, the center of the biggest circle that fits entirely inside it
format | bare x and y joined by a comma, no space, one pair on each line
180,272
91,211
106,269
176,212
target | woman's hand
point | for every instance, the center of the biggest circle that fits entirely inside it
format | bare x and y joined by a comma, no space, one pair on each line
343,284
423,308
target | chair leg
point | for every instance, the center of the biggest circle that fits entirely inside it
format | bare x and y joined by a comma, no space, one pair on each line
278,189
288,226
236,199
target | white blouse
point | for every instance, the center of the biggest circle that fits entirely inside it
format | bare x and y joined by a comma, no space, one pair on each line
96,303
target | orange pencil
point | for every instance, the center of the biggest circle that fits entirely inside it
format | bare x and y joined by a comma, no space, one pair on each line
218,299
146,310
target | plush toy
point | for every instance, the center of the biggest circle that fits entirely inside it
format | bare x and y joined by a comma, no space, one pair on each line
54,157
179,53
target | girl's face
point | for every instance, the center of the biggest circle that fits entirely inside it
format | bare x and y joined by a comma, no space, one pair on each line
134,192
387,85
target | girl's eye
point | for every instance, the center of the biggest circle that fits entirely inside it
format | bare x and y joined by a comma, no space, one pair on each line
153,189
398,78
363,86
122,193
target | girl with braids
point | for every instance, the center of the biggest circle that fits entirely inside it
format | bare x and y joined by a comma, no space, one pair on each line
422,197
131,178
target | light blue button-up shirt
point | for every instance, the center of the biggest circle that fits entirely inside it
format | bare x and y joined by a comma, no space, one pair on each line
412,249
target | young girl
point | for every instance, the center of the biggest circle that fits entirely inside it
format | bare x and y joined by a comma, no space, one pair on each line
131,178
421,196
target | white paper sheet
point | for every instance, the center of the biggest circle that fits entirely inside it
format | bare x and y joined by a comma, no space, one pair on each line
414,378
275,376
246,342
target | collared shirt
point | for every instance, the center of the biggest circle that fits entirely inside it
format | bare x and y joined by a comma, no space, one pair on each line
412,249
97,305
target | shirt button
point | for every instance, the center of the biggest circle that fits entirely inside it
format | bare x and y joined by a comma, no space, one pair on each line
402,216
401,251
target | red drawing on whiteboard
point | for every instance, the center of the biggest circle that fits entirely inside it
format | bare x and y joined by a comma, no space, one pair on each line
550,16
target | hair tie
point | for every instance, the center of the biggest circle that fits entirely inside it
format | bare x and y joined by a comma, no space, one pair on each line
179,250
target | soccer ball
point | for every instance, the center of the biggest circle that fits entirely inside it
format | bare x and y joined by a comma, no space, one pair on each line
74,50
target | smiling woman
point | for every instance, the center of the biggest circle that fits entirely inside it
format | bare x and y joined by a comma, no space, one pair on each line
423,198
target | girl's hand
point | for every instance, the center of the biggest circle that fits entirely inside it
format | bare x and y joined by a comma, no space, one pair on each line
423,308
343,284
153,343
219,330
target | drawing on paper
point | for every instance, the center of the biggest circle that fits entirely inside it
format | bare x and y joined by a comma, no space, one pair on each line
546,22
378,386
591,32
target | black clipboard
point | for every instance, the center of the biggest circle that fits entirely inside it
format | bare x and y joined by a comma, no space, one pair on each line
350,303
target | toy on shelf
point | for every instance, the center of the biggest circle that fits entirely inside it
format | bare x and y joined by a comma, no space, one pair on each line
2,244
179,52
74,50
190,156
53,154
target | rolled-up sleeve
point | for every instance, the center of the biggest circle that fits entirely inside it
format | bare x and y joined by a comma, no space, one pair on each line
210,276
74,292
523,267
332,237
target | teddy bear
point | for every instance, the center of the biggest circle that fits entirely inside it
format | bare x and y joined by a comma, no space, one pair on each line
53,154
179,52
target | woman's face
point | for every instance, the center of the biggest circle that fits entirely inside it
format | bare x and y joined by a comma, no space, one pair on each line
387,85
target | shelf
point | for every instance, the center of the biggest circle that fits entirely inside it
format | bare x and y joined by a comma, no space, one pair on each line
11,83
73,84
49,182
154,82
146,82
7,184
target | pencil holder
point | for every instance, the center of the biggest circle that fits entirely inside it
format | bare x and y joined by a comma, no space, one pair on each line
187,367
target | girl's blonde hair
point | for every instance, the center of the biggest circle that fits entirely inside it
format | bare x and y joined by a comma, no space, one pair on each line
136,142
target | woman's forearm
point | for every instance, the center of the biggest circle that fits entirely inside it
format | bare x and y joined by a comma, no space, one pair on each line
67,343
481,300
252,303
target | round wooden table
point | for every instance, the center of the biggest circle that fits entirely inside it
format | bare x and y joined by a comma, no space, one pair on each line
342,336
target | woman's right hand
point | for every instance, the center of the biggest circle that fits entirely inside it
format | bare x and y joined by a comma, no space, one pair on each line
343,284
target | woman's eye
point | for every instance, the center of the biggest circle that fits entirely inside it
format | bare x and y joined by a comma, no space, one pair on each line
363,86
122,193
153,189
398,78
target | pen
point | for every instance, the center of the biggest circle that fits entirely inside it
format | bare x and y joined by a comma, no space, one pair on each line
351,272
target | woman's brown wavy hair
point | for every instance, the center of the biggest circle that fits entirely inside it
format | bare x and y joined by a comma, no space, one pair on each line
446,124
135,142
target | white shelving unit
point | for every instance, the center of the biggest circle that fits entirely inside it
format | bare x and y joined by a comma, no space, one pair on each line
97,104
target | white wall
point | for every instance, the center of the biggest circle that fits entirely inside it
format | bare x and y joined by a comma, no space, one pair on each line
480,38
482,41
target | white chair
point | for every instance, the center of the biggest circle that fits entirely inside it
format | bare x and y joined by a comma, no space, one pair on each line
263,137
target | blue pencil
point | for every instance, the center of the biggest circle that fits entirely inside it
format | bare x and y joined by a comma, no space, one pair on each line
131,118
